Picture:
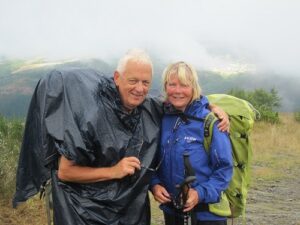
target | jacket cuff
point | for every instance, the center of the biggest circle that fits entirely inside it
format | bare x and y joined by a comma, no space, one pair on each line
155,180
201,195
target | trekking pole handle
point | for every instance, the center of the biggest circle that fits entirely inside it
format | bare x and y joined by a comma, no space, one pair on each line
189,175
189,171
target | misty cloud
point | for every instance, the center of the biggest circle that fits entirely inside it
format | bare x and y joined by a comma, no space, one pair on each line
210,34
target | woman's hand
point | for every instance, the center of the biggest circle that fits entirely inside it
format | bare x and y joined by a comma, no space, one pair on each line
160,194
224,124
193,199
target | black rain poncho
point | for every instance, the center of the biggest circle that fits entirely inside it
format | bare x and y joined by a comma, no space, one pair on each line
77,113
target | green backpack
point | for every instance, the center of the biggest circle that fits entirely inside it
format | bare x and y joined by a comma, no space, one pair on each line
242,115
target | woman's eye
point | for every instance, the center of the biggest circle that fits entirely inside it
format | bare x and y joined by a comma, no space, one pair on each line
184,85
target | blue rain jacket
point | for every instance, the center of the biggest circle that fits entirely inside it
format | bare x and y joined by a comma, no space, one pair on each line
213,171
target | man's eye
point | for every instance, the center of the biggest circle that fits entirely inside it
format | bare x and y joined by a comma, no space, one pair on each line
146,83
132,81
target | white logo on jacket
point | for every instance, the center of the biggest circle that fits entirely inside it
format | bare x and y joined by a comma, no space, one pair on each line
189,139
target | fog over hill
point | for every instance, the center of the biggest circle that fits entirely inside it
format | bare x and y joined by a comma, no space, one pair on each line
230,35
233,43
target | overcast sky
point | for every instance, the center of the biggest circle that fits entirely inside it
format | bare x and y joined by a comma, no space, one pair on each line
217,35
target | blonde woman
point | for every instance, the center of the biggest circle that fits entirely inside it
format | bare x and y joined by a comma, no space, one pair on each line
183,135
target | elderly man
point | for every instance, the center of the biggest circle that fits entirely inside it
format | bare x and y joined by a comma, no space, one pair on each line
98,138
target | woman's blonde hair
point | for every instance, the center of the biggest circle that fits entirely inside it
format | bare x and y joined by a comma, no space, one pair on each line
186,74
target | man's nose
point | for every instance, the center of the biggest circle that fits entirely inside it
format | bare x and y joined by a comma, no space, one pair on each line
139,86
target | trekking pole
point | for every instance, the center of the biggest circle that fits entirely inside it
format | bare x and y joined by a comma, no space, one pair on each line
180,199
46,193
183,189
189,173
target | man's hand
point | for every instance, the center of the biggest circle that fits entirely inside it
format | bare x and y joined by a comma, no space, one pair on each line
224,124
192,200
126,166
160,194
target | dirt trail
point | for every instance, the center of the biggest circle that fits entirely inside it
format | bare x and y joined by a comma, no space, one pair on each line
274,203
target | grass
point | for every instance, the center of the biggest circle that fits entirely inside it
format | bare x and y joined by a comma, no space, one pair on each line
10,141
276,154
276,148
31,213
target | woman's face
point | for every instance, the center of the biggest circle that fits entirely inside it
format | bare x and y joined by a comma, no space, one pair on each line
178,94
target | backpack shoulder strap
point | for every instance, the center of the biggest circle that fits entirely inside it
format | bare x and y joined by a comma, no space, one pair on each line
209,122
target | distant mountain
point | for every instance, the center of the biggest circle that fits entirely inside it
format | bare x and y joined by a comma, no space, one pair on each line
18,79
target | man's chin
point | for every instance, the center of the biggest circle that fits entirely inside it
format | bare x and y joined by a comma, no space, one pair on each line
136,103
133,104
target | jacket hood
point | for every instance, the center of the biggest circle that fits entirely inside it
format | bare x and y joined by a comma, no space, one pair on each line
197,107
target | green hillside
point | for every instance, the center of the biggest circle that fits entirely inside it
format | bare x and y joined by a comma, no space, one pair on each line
18,79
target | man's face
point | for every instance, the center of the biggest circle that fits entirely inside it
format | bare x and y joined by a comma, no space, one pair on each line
134,83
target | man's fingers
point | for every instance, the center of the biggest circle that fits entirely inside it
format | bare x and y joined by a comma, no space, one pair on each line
132,162
126,166
224,125
132,167
132,159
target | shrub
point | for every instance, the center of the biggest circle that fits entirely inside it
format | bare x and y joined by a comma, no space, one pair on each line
268,116
297,116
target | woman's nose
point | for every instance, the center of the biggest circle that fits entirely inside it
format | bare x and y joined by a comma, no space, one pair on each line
178,88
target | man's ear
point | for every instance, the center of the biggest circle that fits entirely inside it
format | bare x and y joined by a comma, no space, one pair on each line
116,78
